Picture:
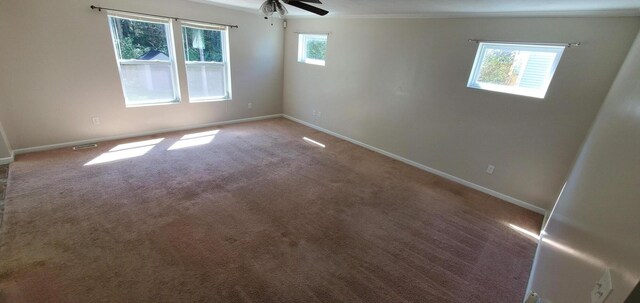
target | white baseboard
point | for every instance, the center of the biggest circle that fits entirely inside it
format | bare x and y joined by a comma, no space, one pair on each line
7,160
491,192
138,134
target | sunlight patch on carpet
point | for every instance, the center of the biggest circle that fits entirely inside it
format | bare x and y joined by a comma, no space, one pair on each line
125,151
525,232
195,139
313,142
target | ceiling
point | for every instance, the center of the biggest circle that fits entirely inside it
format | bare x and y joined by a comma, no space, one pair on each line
454,7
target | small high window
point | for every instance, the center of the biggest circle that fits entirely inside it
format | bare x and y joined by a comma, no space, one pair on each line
312,49
146,61
517,69
206,56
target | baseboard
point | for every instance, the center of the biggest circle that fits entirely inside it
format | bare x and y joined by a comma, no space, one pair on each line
138,134
7,160
485,190
367,146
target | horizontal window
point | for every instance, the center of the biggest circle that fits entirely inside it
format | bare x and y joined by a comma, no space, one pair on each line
312,49
146,62
206,62
517,69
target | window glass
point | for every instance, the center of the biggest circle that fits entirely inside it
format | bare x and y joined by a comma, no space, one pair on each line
312,49
206,63
145,61
515,68
202,45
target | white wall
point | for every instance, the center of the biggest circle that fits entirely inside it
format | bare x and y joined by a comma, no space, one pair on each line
396,84
400,85
59,70
596,223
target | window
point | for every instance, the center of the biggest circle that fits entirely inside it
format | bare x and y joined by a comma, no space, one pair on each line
144,51
515,68
206,56
312,49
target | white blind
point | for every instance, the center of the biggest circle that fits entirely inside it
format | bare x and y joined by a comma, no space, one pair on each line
537,70
205,26
518,69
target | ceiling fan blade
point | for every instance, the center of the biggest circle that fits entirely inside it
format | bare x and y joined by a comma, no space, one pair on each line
307,7
311,1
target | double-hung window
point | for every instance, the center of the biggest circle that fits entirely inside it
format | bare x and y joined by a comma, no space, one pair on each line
146,60
207,62
520,69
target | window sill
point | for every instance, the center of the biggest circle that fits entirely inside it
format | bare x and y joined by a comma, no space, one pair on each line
159,103
313,62
209,100
515,92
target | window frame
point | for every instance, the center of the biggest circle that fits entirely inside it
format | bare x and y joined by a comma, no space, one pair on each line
520,91
172,62
225,60
302,49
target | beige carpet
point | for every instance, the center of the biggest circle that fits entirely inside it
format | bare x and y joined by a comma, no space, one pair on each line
252,213
4,174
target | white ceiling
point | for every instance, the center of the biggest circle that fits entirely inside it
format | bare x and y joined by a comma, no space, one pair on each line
454,7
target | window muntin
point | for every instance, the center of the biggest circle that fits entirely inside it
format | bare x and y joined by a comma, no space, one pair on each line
146,60
517,69
312,49
206,58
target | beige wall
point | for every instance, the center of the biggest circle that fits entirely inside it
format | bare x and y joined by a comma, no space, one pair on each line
59,70
396,84
400,85
596,223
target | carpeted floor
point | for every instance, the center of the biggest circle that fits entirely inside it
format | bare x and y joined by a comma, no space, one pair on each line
252,213
4,174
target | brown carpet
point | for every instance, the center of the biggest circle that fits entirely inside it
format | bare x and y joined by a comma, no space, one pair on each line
4,174
255,215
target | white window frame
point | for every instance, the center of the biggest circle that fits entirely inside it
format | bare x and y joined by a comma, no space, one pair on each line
535,93
171,63
302,48
225,60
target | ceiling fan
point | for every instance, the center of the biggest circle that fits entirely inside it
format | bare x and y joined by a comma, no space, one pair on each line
269,7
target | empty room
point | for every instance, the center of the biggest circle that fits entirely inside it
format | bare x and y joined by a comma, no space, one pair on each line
320,151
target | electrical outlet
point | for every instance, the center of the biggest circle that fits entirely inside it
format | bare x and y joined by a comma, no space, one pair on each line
319,114
315,113
602,289
490,169
249,105
95,120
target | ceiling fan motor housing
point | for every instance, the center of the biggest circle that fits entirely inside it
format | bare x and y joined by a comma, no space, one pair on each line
269,7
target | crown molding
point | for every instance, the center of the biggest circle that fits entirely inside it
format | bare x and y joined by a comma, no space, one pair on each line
454,15
630,12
